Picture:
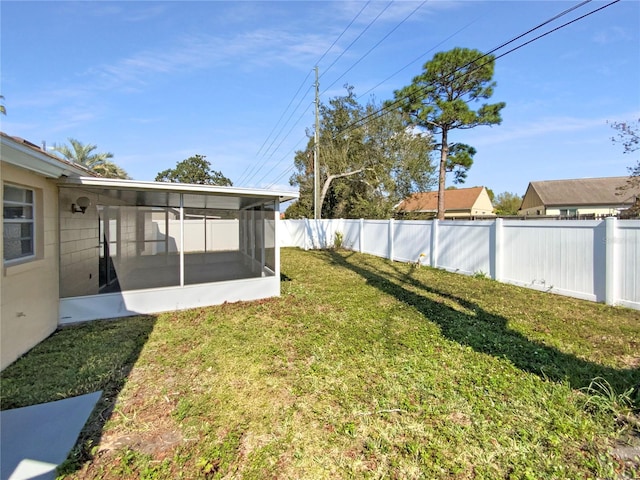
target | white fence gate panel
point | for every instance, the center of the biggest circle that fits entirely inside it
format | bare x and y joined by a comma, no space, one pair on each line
628,262
554,256
412,241
351,234
465,247
376,238
292,233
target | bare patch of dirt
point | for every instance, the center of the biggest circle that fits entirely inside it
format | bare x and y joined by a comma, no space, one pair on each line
626,451
144,420
155,444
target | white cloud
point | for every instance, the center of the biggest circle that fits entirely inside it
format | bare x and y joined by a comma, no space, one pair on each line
612,34
398,11
257,49
540,128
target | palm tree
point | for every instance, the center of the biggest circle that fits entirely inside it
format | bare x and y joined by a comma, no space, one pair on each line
109,169
96,162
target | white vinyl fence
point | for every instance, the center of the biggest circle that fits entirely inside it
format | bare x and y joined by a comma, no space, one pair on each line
596,260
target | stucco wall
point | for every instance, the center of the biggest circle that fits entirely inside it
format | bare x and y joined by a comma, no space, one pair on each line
589,210
598,211
483,205
29,298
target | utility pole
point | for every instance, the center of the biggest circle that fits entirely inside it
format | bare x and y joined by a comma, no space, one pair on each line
316,156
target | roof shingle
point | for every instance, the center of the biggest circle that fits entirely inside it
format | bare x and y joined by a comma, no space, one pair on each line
584,191
457,199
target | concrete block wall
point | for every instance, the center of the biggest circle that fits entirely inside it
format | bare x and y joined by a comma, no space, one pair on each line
79,246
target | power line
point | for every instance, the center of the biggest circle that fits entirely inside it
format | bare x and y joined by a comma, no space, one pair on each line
285,111
309,73
251,166
251,173
343,32
282,174
394,104
376,45
346,49
418,58
387,108
284,157
281,141
356,39
249,170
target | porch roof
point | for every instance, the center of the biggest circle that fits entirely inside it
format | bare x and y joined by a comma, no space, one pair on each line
134,192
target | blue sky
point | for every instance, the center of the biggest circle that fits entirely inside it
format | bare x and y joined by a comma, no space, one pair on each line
157,82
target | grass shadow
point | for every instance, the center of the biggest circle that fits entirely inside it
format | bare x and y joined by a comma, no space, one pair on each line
471,325
76,360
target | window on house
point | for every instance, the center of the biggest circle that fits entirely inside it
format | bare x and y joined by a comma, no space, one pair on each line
18,221
569,212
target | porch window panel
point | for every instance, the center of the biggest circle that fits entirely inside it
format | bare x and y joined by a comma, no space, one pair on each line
138,243
135,252
270,237
212,250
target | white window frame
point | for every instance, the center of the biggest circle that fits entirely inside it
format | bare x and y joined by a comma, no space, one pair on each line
32,221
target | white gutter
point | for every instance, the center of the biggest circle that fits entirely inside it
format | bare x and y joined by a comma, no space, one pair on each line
176,187
24,156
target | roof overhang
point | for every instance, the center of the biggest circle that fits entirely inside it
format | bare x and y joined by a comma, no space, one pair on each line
134,192
24,156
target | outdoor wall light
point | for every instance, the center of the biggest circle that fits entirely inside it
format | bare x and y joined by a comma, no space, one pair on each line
81,205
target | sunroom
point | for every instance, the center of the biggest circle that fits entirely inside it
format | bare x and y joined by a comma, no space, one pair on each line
130,247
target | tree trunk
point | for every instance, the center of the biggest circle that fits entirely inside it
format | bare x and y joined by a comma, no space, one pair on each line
444,151
330,178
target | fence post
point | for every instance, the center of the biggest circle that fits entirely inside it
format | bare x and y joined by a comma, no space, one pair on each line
497,250
434,243
361,236
610,260
391,230
305,224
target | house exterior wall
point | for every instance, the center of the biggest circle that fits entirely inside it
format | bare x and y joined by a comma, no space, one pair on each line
482,206
29,289
566,210
570,210
453,214
79,252
531,203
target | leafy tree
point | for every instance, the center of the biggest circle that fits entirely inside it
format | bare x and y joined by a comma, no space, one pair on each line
84,155
196,169
3,110
365,170
438,100
301,208
628,135
507,203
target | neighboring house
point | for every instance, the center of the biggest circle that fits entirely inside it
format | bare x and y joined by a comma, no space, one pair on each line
78,247
578,198
460,203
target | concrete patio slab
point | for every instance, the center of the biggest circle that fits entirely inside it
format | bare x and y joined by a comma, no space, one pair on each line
35,440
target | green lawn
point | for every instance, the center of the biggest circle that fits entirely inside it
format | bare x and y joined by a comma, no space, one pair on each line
363,368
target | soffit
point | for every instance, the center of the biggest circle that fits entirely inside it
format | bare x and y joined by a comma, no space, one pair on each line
158,194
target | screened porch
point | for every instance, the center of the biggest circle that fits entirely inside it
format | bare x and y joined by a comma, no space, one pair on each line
140,247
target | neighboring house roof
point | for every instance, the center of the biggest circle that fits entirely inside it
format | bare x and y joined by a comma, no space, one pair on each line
581,191
457,199
22,153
